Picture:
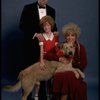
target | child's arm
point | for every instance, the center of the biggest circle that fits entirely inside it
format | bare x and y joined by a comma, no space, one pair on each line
41,52
42,64
40,38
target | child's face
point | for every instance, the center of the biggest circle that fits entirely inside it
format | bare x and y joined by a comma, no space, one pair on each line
47,27
71,38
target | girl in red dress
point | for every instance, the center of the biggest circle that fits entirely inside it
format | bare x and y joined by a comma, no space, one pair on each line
47,43
48,39
65,84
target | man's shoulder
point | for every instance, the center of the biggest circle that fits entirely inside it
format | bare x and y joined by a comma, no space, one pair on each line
31,4
50,7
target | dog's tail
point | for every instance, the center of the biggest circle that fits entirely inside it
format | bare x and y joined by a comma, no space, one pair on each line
12,88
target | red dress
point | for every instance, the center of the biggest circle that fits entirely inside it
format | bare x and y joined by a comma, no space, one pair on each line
49,48
66,82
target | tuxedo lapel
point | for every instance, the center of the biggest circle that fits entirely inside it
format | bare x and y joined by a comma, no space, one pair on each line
48,10
36,12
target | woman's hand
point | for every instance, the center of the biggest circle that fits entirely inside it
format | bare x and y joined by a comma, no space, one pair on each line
63,60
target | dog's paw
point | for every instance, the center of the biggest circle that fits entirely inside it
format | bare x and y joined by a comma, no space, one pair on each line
37,83
75,72
77,75
82,75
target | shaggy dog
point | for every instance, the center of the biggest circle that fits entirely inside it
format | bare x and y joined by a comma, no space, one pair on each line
30,76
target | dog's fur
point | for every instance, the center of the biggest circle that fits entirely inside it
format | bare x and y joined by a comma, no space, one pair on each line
29,77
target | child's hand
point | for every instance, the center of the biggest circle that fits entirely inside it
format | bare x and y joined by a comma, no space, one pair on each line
60,53
42,66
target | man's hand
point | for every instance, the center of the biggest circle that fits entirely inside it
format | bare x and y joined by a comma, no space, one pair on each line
40,36
56,33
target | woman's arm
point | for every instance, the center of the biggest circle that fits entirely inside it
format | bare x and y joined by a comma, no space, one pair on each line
80,58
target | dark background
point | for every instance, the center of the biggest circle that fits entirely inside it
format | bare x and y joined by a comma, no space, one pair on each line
83,12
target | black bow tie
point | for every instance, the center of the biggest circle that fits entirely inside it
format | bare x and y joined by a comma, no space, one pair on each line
41,7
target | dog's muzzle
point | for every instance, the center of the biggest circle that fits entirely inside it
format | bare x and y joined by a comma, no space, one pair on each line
70,53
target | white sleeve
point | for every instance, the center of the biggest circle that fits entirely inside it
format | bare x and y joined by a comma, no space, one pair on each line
40,43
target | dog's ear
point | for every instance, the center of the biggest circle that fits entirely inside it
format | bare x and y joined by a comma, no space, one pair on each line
74,45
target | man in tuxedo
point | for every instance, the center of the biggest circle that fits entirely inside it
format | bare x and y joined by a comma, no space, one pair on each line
30,24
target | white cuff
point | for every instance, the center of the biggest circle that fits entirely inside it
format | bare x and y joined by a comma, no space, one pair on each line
40,43
56,43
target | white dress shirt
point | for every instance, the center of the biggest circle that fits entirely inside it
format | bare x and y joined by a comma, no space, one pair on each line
42,12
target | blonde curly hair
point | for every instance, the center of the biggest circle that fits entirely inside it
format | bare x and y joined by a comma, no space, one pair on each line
46,19
71,28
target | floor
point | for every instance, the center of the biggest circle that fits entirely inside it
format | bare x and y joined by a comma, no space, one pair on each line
91,82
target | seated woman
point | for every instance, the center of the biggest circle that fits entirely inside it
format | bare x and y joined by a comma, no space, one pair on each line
65,84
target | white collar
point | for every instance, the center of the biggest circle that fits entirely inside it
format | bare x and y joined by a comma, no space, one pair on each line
51,37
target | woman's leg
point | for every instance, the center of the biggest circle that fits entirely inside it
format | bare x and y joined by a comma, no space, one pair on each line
64,97
56,96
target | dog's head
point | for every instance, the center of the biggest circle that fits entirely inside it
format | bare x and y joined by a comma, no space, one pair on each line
68,49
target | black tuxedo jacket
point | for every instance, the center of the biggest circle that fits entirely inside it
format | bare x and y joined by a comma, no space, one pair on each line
29,24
